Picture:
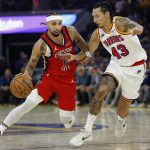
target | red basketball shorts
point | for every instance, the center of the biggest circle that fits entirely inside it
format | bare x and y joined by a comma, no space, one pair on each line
65,87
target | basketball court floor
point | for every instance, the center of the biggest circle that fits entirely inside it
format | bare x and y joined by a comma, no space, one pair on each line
40,129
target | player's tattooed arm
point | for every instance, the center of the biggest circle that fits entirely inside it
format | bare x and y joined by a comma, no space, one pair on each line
37,51
86,49
92,45
80,43
124,24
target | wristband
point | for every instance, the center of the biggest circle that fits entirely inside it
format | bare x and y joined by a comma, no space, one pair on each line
88,54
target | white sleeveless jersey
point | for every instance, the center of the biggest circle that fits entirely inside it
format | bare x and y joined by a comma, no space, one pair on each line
125,49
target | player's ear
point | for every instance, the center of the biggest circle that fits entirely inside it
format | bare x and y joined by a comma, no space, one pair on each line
107,13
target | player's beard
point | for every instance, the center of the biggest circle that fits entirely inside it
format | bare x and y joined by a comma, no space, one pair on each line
55,34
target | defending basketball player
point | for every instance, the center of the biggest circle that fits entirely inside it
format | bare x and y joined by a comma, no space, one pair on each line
58,75
118,35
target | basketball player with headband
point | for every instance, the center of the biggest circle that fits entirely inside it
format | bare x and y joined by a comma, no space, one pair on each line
58,75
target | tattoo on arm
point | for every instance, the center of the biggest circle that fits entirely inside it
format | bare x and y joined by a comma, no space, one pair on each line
43,47
131,25
127,24
37,51
32,65
80,41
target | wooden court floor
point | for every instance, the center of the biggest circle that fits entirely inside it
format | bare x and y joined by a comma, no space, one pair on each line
40,129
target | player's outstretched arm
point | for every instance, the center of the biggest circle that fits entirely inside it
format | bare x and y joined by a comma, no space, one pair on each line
94,41
92,45
37,51
124,24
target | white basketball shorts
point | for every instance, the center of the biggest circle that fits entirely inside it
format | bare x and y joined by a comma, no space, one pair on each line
129,78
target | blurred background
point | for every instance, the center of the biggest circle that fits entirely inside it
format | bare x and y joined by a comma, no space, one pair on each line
20,28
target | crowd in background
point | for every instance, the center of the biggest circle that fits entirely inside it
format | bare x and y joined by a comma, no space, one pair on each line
88,76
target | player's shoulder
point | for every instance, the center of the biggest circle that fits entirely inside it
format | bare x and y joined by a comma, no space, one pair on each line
71,28
121,24
39,44
72,31
119,20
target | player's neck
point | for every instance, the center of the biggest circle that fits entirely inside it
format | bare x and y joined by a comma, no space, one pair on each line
59,39
108,25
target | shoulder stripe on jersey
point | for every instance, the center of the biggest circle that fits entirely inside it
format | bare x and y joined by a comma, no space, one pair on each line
46,42
123,33
67,32
98,34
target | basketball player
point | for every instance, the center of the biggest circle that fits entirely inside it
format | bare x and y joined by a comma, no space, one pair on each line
58,75
118,35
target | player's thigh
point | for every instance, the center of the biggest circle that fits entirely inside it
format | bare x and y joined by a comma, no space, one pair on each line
45,89
113,69
132,80
66,96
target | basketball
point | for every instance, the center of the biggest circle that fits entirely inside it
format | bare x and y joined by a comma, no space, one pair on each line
21,86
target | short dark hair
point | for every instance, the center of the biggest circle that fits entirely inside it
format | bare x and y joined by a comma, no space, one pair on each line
52,14
105,6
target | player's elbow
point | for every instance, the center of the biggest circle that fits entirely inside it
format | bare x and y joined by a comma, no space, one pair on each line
141,29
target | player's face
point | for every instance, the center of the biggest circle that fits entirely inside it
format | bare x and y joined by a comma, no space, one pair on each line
99,18
55,27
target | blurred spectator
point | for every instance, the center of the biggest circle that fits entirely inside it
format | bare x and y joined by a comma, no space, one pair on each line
5,95
3,65
21,62
145,89
95,78
37,75
35,4
83,82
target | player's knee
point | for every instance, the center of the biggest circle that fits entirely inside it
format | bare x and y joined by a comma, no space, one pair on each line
34,97
32,100
107,84
102,92
65,116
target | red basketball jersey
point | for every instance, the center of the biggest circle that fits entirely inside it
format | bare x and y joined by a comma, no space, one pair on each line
55,66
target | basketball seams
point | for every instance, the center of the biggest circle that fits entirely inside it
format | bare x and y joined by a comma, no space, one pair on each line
17,90
26,86
22,84
28,80
13,88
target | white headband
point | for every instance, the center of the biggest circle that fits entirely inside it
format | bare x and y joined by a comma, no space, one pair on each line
54,17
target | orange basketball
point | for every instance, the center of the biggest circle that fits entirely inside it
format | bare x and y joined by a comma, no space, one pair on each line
21,86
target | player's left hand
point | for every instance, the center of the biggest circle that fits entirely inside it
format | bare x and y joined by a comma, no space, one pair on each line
136,31
68,57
